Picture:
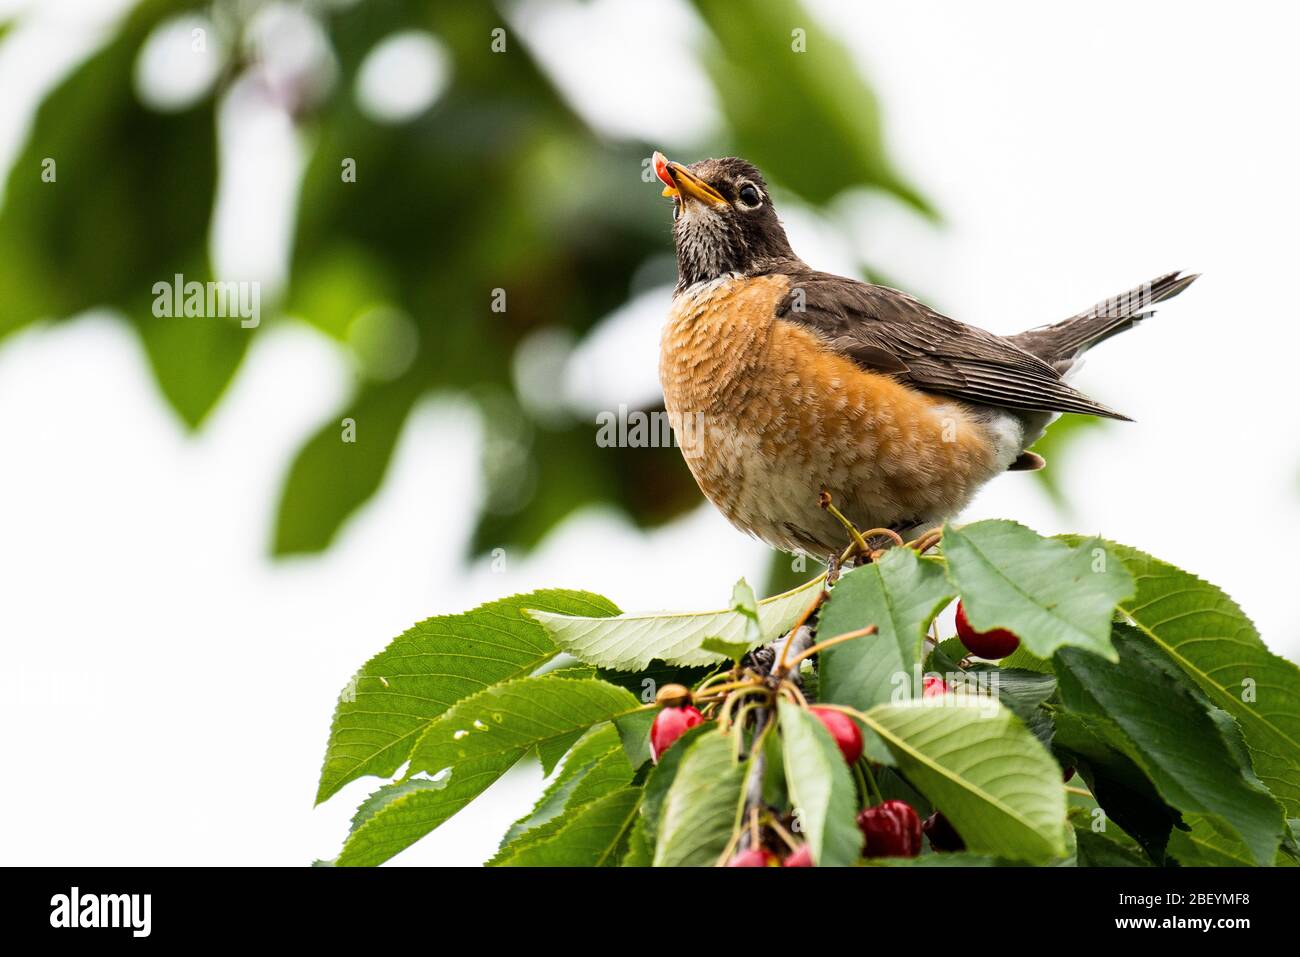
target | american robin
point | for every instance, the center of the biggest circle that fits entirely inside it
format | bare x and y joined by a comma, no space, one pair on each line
783,382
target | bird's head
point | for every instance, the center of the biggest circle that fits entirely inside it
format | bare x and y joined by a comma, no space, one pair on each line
723,219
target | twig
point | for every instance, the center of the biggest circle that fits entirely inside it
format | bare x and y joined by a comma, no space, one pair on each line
757,772
823,645
800,625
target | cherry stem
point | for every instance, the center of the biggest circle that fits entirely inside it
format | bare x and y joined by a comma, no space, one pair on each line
887,532
716,690
791,690
925,542
858,541
713,679
823,645
803,620
731,846
1079,791
782,833
869,778
733,699
738,726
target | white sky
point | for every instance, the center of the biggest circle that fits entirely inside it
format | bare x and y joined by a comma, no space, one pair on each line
166,689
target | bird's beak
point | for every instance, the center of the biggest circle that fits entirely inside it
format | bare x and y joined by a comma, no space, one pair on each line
679,181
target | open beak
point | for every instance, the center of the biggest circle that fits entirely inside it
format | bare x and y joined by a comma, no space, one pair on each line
679,181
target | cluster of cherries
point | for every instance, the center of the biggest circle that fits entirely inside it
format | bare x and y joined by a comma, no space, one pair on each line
889,829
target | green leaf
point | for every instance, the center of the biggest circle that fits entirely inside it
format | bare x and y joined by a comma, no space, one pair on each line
1120,786
759,75
1208,636
1210,843
948,859
745,604
193,360
1054,446
900,595
595,835
1026,660
645,684
129,206
1102,850
1052,595
640,852
661,776
634,732
593,761
701,810
631,642
735,650
1145,708
1098,841
821,788
330,478
472,745
977,763
392,700
1024,692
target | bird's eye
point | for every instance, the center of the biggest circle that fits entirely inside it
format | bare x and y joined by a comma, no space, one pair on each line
749,196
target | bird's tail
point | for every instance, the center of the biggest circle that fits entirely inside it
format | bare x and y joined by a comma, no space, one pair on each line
1063,342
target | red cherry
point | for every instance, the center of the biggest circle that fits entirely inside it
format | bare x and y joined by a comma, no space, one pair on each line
843,729
891,829
994,644
933,687
669,725
754,857
800,858
943,836
1067,774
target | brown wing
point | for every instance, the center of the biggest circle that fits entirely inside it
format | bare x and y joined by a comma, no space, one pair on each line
888,331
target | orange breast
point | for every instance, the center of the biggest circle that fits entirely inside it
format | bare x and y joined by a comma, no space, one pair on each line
767,417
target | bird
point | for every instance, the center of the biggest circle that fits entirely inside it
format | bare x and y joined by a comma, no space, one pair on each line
789,388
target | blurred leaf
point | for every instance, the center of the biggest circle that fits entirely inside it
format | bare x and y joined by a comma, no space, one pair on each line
562,251
1054,447
785,572
806,118
472,200
112,223
331,477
